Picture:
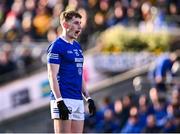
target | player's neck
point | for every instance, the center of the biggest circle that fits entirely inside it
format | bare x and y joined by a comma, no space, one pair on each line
67,38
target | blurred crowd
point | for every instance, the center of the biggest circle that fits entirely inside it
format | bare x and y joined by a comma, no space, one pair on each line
20,60
138,113
28,21
154,110
39,19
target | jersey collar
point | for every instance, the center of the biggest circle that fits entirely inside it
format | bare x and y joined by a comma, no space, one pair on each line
66,40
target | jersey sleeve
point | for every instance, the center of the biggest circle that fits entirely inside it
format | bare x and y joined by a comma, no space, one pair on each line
159,71
53,54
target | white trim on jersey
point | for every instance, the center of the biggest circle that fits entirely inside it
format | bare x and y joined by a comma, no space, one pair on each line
53,56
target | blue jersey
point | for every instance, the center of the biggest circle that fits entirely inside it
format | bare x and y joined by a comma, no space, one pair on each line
70,58
163,65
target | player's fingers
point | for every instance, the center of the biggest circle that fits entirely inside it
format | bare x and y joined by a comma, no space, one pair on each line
66,116
94,110
90,111
69,112
61,116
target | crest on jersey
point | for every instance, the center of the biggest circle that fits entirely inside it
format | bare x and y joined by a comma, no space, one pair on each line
76,52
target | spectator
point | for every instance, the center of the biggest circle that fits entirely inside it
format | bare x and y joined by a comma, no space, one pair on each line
177,121
175,97
42,20
172,15
107,104
162,70
26,58
158,108
108,125
151,126
126,103
118,108
169,126
7,66
143,110
132,125
11,26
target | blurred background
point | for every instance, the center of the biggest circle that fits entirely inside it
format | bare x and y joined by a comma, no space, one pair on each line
131,67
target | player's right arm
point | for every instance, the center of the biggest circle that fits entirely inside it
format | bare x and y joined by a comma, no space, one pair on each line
52,76
53,65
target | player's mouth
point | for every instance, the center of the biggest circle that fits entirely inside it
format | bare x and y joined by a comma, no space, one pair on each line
77,32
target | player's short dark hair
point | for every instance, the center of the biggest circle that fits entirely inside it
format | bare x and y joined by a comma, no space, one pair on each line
68,15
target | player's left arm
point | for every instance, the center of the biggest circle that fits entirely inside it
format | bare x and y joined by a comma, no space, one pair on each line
84,91
91,104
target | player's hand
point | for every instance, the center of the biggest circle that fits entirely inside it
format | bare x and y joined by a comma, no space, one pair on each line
63,110
158,79
92,107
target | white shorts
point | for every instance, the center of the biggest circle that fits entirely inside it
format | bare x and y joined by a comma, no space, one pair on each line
76,107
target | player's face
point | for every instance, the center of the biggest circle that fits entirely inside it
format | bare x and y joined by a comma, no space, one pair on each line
74,28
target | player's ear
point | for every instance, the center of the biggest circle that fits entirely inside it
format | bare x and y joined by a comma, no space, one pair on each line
65,25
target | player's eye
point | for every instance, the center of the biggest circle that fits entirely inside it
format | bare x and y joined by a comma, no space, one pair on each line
77,23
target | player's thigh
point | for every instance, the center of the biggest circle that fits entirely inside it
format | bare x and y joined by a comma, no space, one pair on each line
62,126
77,126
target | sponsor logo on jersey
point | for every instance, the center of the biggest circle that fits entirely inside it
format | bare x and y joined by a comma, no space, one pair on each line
78,59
